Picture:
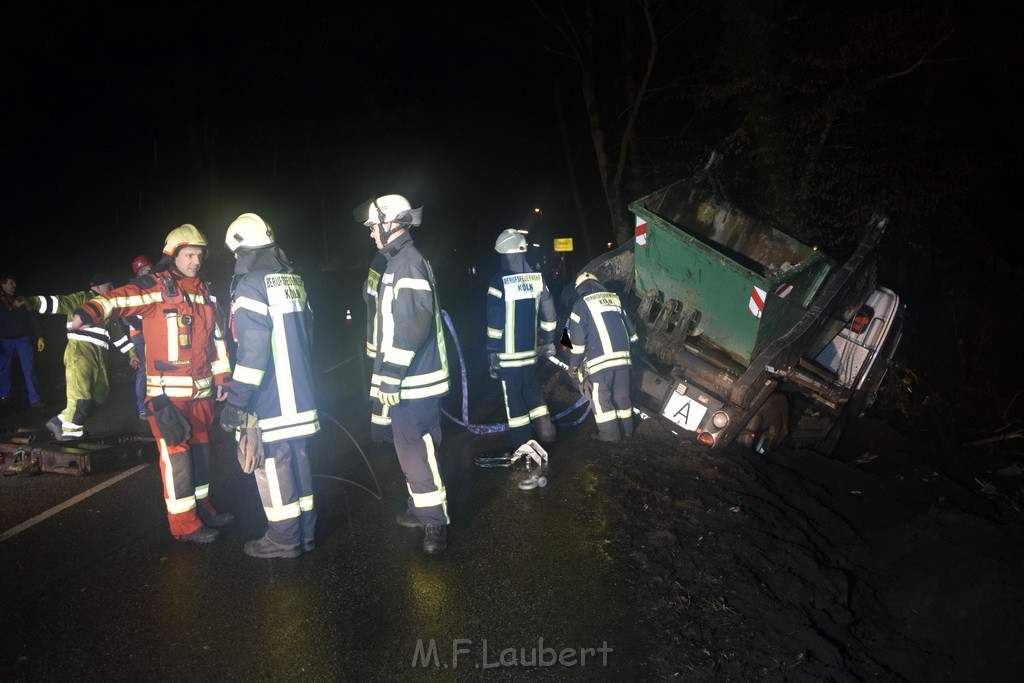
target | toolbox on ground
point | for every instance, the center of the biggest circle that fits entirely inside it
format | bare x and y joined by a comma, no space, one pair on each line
93,455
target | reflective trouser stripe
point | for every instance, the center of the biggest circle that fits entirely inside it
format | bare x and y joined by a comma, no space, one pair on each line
278,510
285,483
613,409
524,402
416,428
185,468
600,414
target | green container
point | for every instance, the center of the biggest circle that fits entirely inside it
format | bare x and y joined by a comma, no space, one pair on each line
750,282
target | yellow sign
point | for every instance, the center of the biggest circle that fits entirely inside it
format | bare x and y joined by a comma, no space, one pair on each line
563,244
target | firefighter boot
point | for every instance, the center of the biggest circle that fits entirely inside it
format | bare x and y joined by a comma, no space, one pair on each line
56,427
544,429
608,432
264,547
210,517
434,538
203,534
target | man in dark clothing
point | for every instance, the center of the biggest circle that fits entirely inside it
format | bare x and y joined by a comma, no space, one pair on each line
519,310
17,334
410,367
601,333
273,380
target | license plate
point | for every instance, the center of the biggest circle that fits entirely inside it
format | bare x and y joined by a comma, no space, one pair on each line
683,410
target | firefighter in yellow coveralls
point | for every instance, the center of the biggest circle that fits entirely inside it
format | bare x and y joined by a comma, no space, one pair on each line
85,357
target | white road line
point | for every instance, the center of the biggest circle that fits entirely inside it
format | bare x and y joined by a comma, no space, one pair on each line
68,503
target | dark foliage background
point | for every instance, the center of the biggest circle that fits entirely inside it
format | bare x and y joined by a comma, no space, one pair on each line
121,123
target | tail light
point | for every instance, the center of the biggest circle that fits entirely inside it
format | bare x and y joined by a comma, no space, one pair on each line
861,320
706,438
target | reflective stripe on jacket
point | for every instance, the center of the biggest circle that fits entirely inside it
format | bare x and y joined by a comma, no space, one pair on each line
600,331
184,342
409,336
66,304
518,304
377,266
270,320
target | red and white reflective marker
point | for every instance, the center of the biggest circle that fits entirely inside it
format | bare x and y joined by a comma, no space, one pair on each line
641,232
756,305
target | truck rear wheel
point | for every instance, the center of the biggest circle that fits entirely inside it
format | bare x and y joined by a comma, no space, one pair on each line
769,425
816,429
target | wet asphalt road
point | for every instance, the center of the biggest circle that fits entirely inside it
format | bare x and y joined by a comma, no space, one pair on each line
99,590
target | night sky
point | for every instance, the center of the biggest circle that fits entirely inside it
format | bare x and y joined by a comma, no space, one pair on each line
121,124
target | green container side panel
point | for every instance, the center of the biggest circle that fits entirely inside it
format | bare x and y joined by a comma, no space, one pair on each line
701,280
708,255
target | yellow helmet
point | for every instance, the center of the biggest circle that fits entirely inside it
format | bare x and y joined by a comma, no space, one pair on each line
248,231
186,235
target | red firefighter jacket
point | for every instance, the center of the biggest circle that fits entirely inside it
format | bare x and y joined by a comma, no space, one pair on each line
184,340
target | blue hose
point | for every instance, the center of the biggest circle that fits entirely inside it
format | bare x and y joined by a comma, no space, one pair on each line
494,428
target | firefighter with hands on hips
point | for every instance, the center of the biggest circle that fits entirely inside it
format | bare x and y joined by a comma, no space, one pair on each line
273,381
519,310
410,367
141,265
186,363
600,333
85,356
380,419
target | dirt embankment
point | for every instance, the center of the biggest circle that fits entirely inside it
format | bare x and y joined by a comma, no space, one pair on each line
867,565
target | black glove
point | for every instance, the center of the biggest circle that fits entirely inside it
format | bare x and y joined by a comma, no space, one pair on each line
547,350
231,418
492,365
173,427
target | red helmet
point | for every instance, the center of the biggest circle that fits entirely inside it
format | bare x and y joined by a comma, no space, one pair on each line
139,262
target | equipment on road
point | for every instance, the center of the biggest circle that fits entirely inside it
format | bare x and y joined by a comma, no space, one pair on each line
105,453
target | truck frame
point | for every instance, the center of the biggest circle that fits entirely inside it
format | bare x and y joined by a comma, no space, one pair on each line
746,334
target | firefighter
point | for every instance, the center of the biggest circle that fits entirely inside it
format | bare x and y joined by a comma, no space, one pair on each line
272,379
380,416
600,334
410,367
186,362
85,356
519,311
141,265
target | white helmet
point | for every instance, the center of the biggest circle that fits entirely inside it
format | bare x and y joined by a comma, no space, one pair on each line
392,208
510,241
248,231
584,276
